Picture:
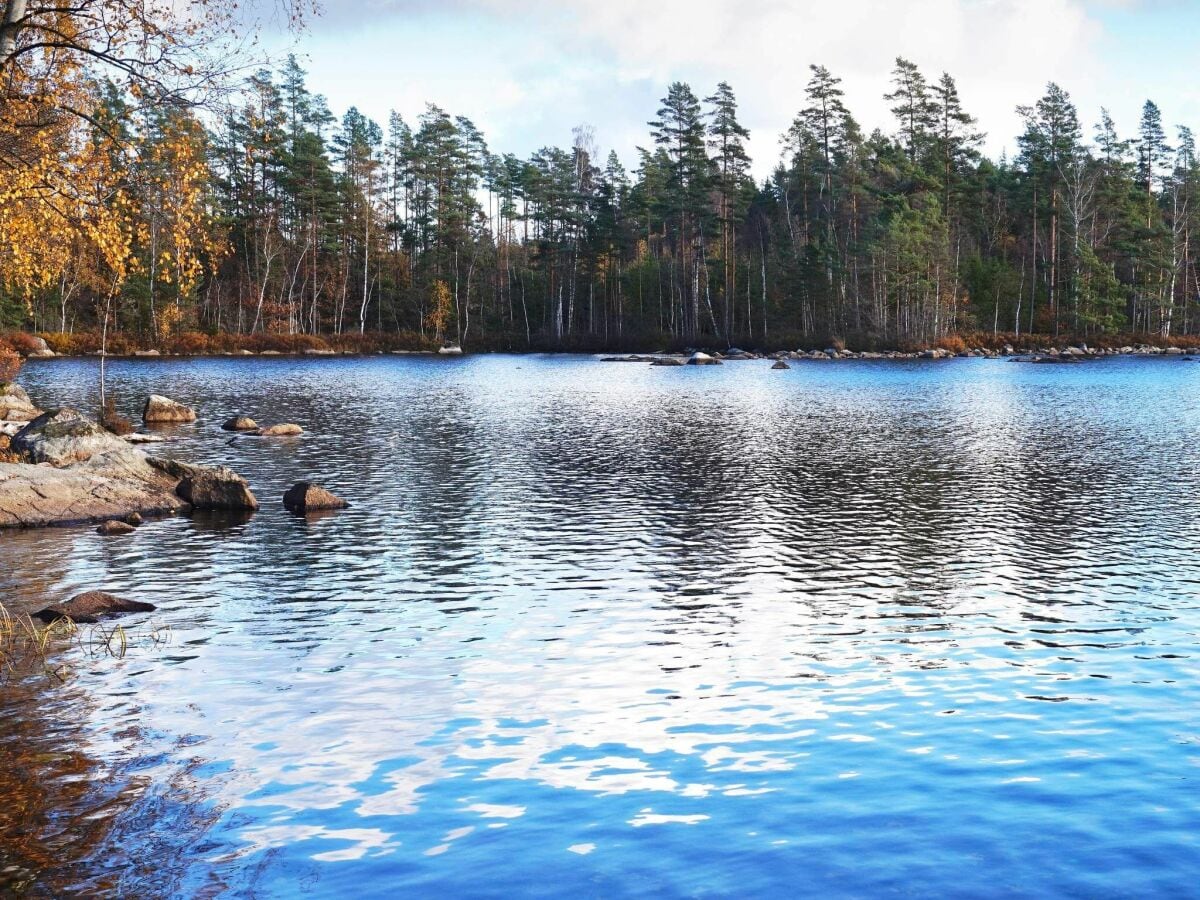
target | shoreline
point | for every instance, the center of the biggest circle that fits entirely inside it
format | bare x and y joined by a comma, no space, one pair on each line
1075,351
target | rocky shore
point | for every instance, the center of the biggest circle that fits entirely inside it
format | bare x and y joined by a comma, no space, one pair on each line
66,469
1072,353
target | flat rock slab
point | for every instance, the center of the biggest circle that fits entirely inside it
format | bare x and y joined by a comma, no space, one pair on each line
107,487
304,496
90,606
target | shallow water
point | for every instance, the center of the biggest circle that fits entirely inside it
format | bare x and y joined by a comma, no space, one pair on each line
853,629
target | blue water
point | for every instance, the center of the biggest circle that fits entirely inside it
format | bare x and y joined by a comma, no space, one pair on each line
855,629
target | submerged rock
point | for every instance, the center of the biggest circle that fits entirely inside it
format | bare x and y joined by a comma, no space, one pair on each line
115,527
286,429
62,437
88,607
667,361
164,410
304,496
780,364
239,423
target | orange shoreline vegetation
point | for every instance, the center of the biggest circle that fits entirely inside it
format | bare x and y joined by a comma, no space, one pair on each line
87,343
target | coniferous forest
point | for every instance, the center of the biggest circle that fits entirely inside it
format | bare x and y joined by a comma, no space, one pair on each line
272,214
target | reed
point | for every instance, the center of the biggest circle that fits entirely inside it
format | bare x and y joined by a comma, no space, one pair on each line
27,646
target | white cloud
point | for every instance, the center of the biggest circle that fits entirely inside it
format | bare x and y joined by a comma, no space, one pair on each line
527,74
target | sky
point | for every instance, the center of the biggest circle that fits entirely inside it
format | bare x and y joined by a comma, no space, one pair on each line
528,71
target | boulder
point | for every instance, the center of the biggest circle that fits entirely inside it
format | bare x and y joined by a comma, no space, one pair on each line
135,519
780,364
88,607
450,350
160,410
62,437
304,496
239,423
206,487
40,347
667,361
702,359
146,353
15,405
115,527
286,429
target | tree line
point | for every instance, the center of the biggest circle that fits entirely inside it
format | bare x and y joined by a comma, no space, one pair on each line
270,215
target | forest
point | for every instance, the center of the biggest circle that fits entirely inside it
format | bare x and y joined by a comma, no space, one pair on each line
164,220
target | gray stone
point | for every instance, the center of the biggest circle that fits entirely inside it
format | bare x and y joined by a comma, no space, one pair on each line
62,437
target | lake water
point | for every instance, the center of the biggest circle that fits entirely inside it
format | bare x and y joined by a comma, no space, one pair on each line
854,629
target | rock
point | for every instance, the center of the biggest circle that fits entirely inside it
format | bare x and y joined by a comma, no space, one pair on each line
271,353
780,364
159,409
88,607
40,347
304,496
312,351
286,429
667,361
135,519
15,405
239,423
702,359
146,353
136,438
450,350
206,487
115,527
63,436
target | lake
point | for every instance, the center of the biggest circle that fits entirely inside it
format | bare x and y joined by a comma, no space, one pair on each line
853,629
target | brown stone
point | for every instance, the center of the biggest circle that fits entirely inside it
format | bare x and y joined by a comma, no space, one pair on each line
286,429
114,527
164,410
239,423
304,496
205,487
87,607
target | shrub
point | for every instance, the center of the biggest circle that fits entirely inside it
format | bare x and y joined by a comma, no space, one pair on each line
190,343
113,421
952,343
21,342
10,365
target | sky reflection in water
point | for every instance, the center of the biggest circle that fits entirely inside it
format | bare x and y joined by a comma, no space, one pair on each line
851,629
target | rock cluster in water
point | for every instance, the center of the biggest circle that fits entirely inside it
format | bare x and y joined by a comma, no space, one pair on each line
78,472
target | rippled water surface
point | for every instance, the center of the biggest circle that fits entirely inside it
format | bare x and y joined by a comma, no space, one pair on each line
853,629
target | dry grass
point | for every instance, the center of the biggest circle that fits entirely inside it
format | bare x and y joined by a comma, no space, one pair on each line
27,646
